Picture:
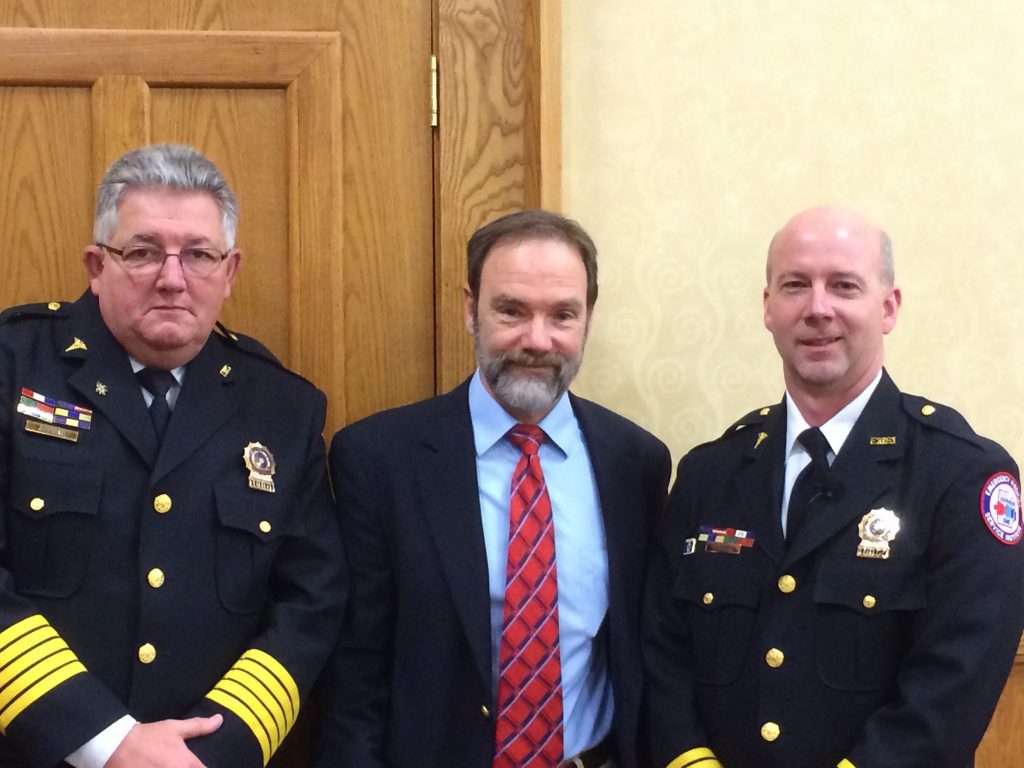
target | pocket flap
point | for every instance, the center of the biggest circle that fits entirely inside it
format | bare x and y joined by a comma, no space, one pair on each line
264,515
43,488
872,586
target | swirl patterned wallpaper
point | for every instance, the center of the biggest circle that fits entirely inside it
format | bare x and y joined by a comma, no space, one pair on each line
692,129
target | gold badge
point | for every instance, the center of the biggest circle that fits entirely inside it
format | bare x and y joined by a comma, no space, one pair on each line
877,528
51,430
883,440
225,370
101,388
76,344
260,463
760,437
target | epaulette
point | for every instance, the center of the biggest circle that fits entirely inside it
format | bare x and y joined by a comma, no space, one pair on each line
248,345
50,309
941,417
756,416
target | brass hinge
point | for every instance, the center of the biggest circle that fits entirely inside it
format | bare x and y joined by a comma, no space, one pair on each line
433,91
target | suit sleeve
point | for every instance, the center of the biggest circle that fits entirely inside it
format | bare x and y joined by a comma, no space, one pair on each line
261,695
50,704
353,725
964,640
675,732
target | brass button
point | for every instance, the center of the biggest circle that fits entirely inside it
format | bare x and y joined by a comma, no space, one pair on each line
485,711
869,601
709,598
162,503
37,504
927,410
155,578
765,411
787,583
53,306
770,731
774,658
147,653
265,526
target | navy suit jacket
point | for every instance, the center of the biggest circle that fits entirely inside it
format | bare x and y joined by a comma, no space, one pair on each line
410,682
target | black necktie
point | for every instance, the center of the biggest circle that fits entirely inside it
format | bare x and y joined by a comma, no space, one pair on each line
810,483
158,383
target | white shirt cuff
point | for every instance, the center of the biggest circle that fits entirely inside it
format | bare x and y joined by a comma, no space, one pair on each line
97,750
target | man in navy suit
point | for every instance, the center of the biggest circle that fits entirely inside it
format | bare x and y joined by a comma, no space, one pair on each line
419,676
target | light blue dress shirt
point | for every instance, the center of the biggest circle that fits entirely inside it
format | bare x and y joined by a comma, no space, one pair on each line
581,555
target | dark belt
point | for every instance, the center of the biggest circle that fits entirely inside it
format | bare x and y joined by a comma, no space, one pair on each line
594,757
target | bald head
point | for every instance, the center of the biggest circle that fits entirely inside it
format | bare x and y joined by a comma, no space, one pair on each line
823,223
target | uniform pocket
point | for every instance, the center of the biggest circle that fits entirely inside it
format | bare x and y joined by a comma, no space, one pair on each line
50,525
865,611
253,528
721,600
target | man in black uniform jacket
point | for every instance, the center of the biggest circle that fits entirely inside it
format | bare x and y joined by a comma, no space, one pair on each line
865,614
171,580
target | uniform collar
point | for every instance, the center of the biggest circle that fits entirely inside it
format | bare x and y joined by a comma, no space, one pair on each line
836,429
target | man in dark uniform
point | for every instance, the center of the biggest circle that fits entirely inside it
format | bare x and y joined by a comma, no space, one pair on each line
838,581
445,660
171,579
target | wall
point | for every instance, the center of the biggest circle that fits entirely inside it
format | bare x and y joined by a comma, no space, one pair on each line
693,129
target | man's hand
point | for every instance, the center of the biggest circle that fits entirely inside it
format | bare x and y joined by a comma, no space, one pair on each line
162,744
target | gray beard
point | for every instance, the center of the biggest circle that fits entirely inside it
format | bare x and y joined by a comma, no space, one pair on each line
524,391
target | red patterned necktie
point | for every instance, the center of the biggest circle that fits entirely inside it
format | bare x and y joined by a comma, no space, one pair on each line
529,724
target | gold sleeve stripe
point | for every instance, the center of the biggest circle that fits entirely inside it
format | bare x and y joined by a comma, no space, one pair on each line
844,763
34,660
701,757
231,703
263,694
281,674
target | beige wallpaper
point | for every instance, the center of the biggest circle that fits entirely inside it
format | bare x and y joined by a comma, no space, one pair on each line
692,129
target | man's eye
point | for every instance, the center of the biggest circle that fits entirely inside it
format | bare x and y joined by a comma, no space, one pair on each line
142,255
200,256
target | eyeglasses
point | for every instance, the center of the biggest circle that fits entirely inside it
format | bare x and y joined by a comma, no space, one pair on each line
145,259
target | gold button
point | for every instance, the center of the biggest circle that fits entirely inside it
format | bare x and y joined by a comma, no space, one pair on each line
485,711
53,305
765,411
787,583
709,598
162,503
770,731
869,601
36,504
927,410
774,657
147,653
155,578
265,526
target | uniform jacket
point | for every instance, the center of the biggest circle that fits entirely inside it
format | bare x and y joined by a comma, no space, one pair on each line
806,655
154,580
411,681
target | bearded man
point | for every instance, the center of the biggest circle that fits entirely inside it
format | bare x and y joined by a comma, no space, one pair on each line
497,538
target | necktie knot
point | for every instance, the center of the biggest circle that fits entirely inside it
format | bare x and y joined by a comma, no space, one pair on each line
527,438
156,381
816,445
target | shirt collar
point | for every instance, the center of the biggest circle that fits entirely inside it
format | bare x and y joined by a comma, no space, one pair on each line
491,422
836,429
178,373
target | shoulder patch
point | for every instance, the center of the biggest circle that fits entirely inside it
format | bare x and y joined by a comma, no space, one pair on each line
42,309
940,417
756,416
1000,507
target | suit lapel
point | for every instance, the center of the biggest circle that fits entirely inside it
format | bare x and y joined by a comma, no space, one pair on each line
759,482
446,477
105,377
864,470
204,404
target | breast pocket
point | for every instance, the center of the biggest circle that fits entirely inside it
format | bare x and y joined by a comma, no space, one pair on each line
720,598
865,611
50,525
253,529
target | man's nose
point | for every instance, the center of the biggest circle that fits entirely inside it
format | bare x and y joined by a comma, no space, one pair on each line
537,335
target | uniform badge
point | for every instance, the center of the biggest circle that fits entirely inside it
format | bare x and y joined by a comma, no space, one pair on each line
877,528
689,546
76,344
260,463
101,388
51,411
1000,507
728,540
760,438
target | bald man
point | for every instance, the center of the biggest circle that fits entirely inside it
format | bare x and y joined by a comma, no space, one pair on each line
838,581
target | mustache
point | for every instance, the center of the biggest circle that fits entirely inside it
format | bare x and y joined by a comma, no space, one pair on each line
534,359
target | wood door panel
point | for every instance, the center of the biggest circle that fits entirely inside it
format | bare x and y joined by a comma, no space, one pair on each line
44,137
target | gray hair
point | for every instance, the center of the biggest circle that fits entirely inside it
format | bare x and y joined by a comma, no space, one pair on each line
888,262
173,166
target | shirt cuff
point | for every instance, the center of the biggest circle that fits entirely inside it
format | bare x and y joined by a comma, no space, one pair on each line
97,750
